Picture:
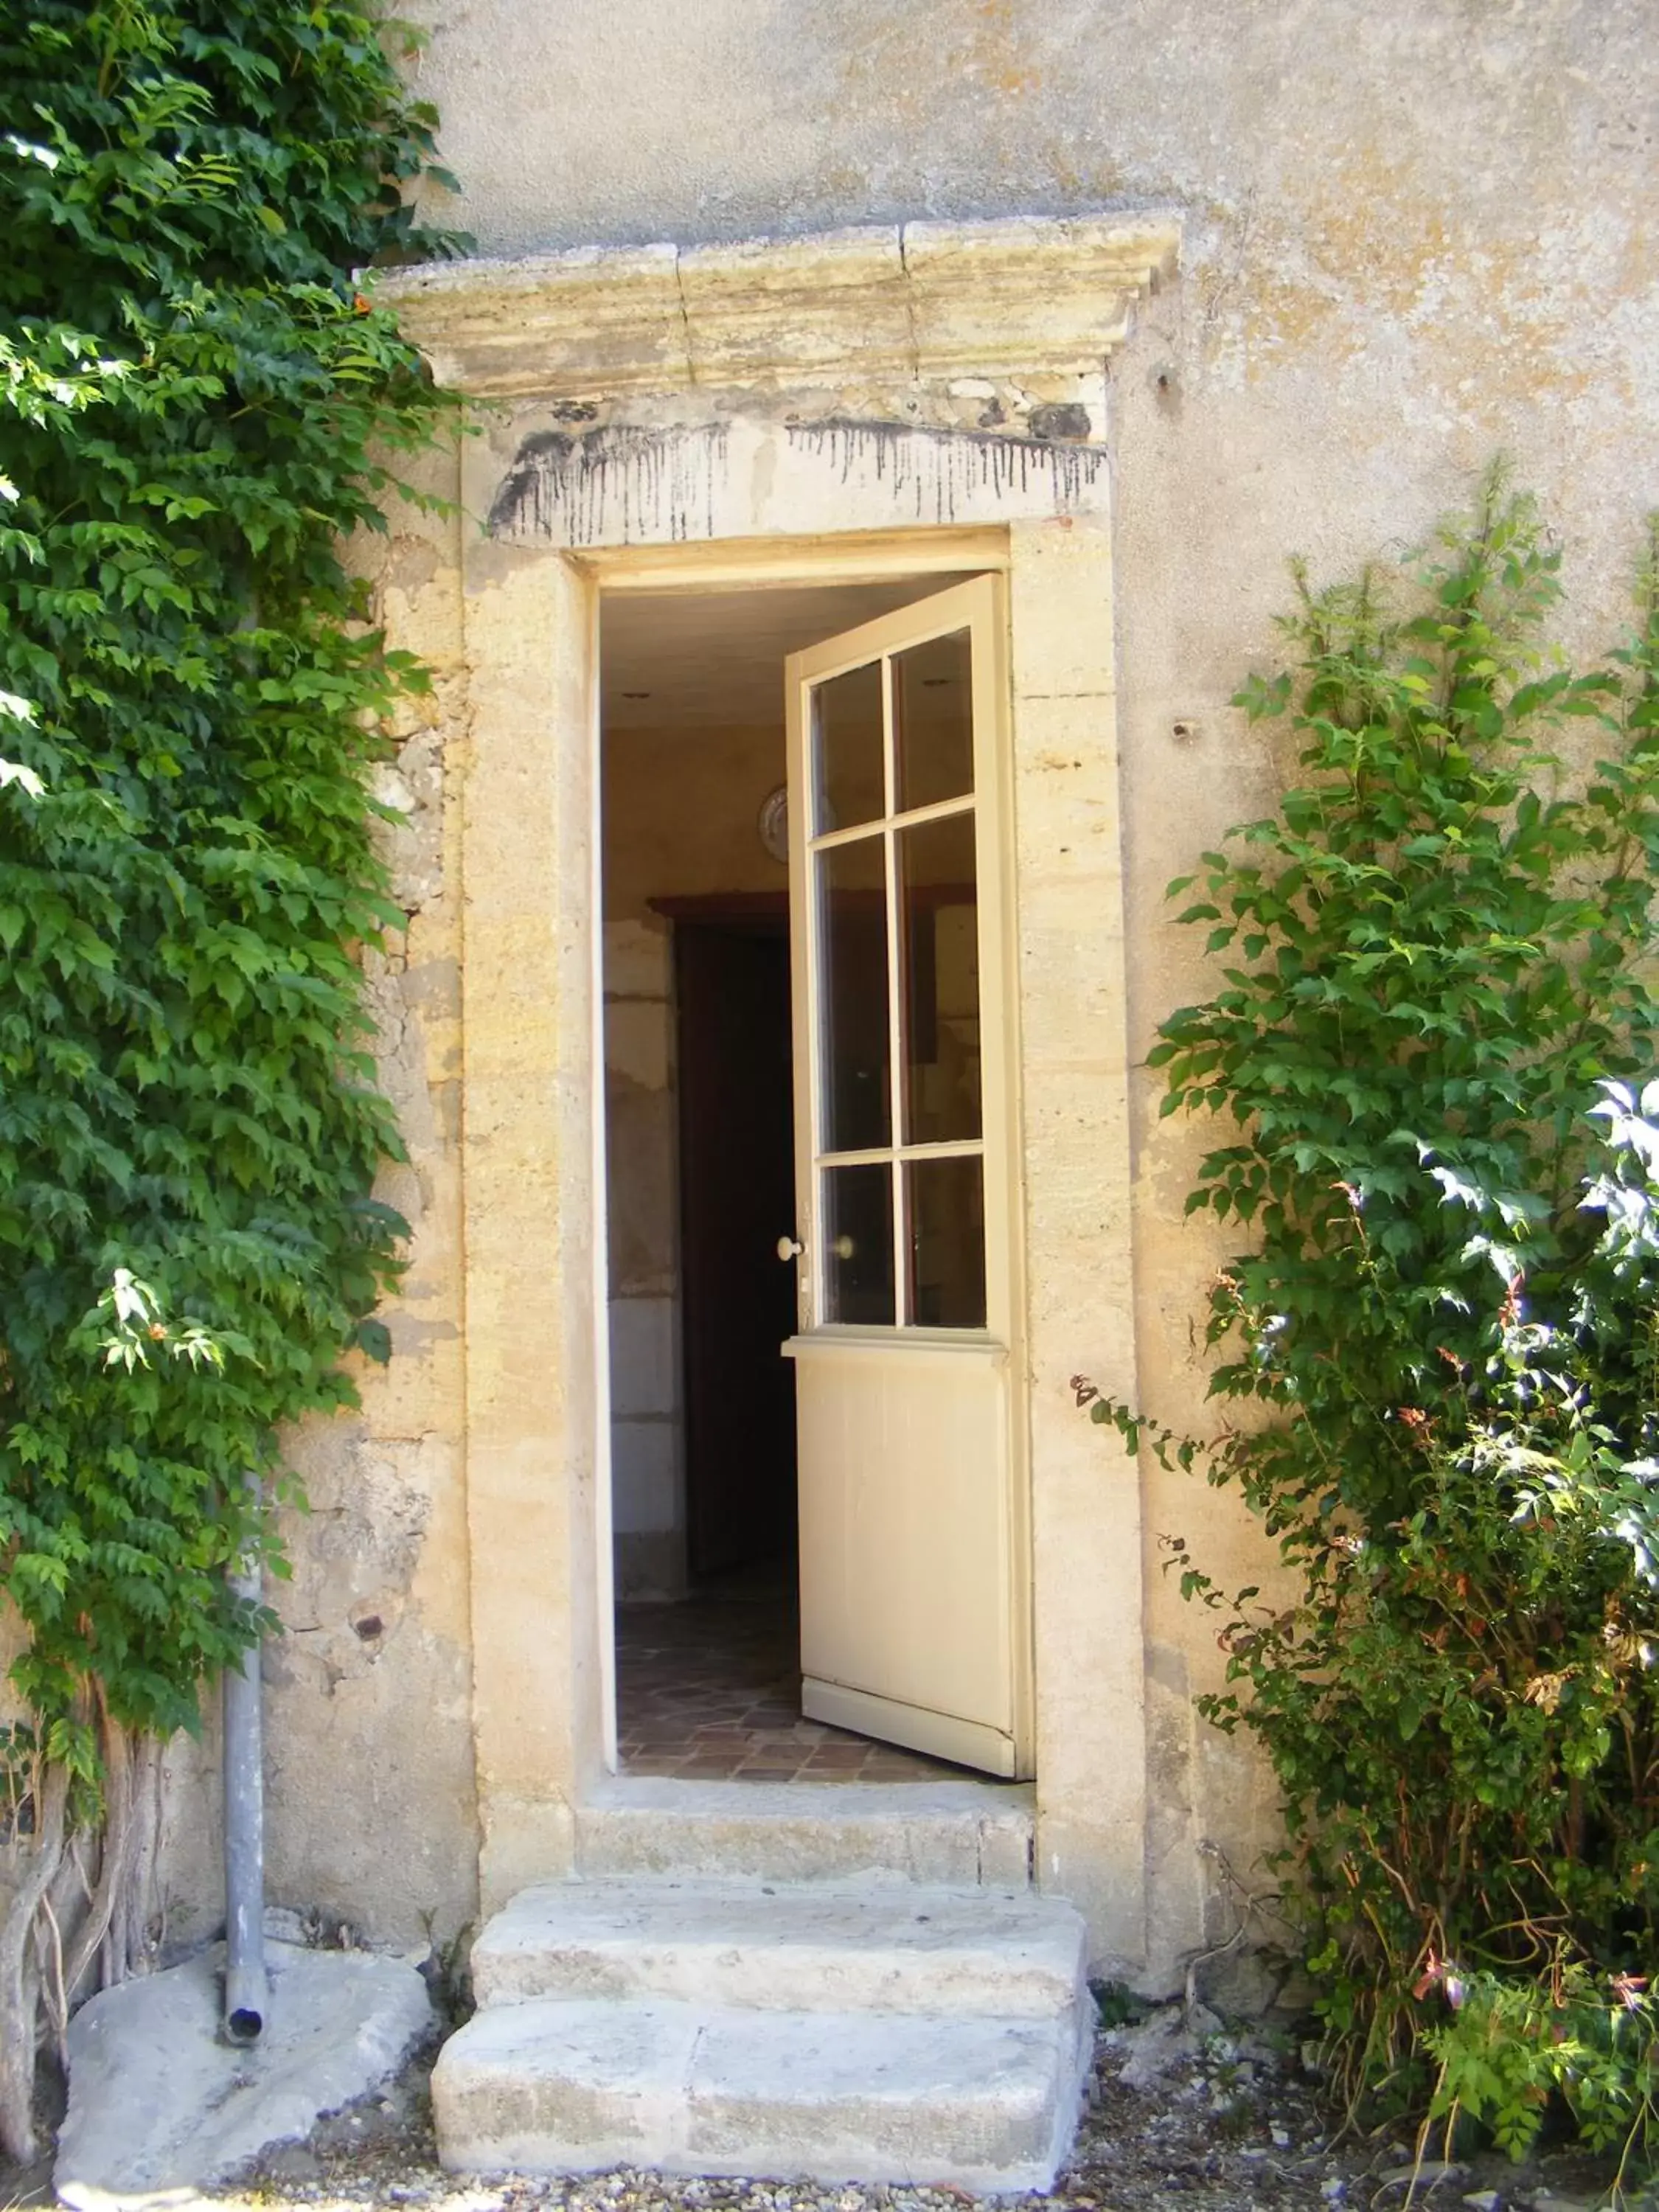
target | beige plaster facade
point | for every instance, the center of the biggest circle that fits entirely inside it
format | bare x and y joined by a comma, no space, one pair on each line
1349,253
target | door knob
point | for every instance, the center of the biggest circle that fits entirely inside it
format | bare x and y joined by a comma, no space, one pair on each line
789,1248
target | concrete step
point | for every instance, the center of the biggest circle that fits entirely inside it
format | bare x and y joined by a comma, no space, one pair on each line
955,1834
897,1947
557,2085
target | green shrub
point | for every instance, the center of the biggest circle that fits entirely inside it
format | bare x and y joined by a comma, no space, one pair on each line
1431,1039
1513,2045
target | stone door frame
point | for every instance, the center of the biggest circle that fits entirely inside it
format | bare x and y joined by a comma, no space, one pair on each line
532,1076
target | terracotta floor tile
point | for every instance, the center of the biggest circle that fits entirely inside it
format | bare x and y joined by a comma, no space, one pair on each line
710,1690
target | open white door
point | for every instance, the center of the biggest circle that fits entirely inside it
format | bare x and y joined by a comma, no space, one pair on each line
914,1626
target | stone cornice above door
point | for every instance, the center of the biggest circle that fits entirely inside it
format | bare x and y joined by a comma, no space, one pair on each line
921,303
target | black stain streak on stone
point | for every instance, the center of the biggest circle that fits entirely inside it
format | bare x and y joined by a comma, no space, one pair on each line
627,486
936,473
1065,423
610,486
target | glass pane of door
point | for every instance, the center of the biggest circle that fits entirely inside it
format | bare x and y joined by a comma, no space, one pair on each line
855,1033
940,946
858,1237
933,721
945,1204
849,782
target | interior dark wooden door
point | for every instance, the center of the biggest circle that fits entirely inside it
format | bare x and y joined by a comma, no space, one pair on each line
737,1184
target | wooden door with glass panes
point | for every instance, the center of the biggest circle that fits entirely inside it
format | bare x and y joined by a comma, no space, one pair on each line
913,1623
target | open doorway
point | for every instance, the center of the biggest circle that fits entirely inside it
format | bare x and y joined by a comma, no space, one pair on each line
700,1181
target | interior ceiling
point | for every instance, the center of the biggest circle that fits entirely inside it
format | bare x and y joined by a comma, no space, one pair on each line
715,659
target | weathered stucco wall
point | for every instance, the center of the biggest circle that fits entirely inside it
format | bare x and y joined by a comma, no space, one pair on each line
368,1768
1412,236
1411,233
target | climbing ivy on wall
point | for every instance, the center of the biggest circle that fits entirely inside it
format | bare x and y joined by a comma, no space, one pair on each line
198,405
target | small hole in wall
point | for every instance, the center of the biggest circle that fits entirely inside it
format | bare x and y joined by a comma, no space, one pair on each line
1182,733
369,1627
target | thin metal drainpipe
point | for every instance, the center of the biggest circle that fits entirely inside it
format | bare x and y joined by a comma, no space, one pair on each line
247,1987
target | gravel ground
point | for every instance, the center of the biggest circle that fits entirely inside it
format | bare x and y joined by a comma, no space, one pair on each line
1214,2120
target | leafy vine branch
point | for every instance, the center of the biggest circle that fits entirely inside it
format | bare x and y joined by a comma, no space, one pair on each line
198,407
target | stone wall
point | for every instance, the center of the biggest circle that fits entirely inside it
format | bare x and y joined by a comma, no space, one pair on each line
368,1773
1412,236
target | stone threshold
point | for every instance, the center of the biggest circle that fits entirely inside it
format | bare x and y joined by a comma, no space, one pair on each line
966,1834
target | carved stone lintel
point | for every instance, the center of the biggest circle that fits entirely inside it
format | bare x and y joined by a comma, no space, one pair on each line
917,303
